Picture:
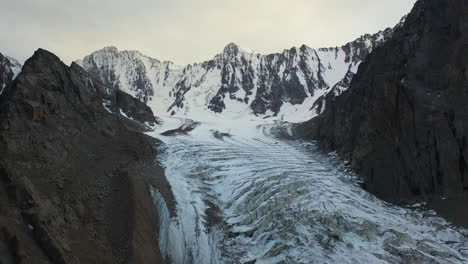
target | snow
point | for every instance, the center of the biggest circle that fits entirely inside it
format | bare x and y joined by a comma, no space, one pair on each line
205,85
288,112
323,107
282,201
339,67
79,62
14,62
105,104
16,69
194,86
16,72
298,113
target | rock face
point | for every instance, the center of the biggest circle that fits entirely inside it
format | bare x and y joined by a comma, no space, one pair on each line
142,77
235,81
9,69
73,177
117,101
403,123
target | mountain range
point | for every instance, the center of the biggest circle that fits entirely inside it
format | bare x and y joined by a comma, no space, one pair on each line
236,83
75,168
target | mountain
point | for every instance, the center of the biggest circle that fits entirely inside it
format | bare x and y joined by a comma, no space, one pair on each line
73,177
403,122
9,69
117,101
142,77
235,82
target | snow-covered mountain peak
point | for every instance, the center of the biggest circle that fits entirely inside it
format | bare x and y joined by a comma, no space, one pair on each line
114,53
236,83
110,49
231,49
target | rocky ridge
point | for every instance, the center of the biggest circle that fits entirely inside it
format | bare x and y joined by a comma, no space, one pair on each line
73,177
402,124
235,82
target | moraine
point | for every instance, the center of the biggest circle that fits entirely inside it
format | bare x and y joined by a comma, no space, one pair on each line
245,193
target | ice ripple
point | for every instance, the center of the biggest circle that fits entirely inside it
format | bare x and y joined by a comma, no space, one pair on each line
282,201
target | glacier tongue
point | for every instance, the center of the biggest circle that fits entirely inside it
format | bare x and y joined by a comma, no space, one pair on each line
245,192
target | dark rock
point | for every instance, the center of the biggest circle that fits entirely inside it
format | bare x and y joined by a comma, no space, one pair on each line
403,123
56,200
184,129
134,108
116,100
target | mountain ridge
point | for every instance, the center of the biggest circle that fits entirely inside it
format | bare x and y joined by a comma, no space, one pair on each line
235,82
402,124
74,177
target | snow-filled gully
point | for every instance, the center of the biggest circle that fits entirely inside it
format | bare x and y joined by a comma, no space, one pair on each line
244,194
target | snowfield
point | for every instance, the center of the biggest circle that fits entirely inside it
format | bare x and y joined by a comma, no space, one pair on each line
246,191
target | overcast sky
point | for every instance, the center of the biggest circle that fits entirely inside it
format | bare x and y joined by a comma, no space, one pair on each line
187,31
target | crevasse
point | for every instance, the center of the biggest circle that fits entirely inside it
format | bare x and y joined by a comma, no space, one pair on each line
245,193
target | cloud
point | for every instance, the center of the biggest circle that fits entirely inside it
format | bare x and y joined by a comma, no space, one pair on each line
187,31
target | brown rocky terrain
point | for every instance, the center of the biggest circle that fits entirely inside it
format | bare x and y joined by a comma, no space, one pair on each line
403,123
73,177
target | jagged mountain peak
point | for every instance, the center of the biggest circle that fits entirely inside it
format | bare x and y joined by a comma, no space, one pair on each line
236,81
110,49
231,48
106,51
304,48
42,55
14,62
114,52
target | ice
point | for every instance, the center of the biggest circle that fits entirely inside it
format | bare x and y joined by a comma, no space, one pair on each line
281,201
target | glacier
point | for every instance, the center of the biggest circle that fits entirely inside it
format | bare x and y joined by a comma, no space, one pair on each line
246,191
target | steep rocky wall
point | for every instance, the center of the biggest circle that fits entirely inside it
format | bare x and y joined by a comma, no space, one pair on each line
403,123
73,177
117,101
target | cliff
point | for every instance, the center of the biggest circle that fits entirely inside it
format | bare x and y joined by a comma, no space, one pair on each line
73,177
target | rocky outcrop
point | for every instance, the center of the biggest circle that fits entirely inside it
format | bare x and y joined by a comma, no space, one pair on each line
234,81
117,101
73,177
134,108
403,123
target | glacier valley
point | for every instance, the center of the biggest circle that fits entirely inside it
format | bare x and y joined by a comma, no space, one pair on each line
246,192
